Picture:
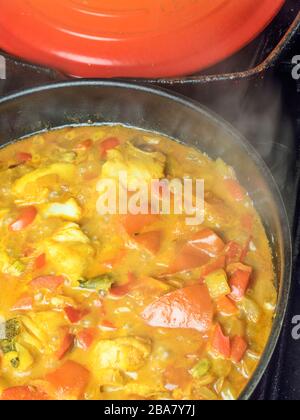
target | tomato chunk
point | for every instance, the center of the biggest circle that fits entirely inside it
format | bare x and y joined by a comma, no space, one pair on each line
233,252
226,306
69,380
86,337
134,223
23,393
108,144
239,282
40,262
220,343
238,349
150,240
26,218
198,251
74,315
207,241
51,283
214,265
190,307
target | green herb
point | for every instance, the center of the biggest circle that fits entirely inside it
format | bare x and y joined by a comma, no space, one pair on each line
16,269
100,284
200,369
12,329
7,346
15,362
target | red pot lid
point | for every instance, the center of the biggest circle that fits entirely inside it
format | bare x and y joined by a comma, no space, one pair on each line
131,38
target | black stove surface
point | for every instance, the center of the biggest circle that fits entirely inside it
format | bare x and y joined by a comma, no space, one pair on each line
267,111
282,379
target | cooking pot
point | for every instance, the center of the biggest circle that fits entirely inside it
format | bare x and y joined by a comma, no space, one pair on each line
101,102
143,38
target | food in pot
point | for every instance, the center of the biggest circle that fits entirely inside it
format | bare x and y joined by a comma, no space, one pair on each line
126,306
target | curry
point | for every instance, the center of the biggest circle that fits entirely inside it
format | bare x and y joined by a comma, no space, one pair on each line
145,306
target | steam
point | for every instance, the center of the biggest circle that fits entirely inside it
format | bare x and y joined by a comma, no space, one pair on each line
257,109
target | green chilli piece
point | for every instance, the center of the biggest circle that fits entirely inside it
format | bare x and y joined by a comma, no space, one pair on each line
200,369
100,284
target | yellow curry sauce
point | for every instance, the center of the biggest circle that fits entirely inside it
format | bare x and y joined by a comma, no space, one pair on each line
126,307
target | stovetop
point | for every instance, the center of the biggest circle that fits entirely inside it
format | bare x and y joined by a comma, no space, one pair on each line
282,380
266,109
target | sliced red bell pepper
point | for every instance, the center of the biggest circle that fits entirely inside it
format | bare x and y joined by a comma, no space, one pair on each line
70,380
221,343
187,259
190,307
207,241
150,240
226,306
86,337
134,223
108,144
66,345
197,251
212,266
40,262
239,280
75,315
236,191
25,303
239,347
23,157
26,218
51,283
233,252
232,268
23,393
